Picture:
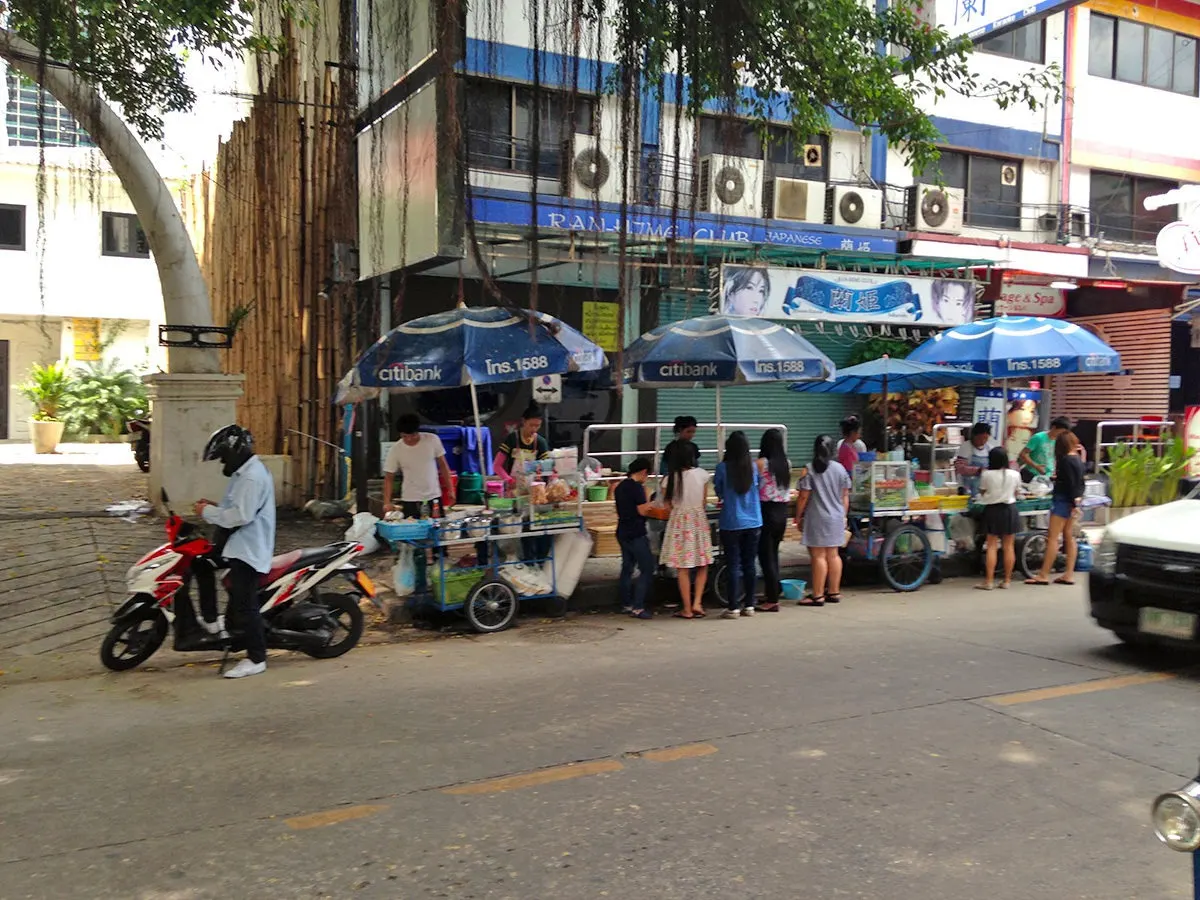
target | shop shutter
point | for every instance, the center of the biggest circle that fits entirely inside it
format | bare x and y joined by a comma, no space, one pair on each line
1143,338
805,415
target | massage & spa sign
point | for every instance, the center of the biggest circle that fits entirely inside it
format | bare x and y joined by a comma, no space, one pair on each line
812,294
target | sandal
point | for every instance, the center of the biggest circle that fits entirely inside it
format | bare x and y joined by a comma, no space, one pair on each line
768,607
833,598
810,600
699,614
1037,581
985,586
680,615
1063,580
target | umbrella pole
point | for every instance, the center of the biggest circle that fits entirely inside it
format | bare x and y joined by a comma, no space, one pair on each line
887,416
720,426
478,440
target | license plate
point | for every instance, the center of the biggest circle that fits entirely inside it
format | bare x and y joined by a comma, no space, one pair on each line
1167,623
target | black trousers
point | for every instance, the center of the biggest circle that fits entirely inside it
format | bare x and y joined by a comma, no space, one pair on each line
244,613
775,520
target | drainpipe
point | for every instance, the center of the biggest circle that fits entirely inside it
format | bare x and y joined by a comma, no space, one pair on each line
1068,119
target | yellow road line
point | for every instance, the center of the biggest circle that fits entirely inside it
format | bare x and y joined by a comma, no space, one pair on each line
331,817
537,778
1083,687
683,751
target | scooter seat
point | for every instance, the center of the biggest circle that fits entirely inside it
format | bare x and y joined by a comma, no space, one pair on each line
299,559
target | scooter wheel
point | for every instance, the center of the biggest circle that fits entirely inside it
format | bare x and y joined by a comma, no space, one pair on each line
133,641
344,610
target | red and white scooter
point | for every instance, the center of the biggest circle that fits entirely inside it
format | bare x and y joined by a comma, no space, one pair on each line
296,614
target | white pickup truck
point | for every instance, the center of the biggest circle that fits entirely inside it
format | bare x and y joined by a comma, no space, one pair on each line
1145,580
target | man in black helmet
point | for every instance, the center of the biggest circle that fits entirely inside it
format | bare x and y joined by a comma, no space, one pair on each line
245,518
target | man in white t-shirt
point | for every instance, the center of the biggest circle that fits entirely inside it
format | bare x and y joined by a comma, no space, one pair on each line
420,459
972,457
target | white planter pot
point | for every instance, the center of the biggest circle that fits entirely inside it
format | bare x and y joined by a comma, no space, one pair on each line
45,435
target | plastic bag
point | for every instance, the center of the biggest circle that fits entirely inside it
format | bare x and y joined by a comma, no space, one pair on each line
362,531
404,573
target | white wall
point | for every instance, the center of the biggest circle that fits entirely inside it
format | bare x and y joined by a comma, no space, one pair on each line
29,341
508,23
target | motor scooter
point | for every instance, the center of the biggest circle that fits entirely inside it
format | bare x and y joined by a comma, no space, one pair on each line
139,431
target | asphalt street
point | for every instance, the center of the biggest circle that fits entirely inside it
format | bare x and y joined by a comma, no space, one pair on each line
944,744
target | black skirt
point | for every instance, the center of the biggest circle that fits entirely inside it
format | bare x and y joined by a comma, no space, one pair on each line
1001,519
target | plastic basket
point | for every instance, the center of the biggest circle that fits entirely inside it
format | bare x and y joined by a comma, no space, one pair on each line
417,530
457,586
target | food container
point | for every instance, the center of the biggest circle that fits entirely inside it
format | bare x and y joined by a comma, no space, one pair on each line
511,524
408,530
597,493
495,488
501,503
478,527
537,493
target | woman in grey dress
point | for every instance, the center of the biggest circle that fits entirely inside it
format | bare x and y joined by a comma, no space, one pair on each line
821,516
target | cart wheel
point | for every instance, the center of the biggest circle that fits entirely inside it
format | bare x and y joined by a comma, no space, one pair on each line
718,582
906,558
491,606
1032,553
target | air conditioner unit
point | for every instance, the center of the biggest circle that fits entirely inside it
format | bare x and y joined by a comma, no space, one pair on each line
795,199
731,185
593,170
932,208
856,206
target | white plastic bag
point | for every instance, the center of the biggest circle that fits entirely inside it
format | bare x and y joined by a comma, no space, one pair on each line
362,531
404,573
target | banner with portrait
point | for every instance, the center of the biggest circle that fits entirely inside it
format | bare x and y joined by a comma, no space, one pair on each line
773,292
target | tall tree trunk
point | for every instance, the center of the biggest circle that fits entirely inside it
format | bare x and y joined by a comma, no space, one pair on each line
184,292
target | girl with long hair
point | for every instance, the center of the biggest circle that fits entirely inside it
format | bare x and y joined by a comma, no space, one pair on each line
1065,503
774,492
736,483
821,512
687,545
998,490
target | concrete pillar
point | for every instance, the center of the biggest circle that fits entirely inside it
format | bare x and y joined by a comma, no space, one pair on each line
186,410
633,330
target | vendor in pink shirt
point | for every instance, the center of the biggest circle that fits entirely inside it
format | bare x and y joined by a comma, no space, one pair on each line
851,443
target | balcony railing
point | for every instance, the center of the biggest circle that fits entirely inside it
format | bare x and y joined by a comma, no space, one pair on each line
671,183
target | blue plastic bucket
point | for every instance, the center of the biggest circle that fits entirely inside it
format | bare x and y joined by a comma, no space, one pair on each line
793,589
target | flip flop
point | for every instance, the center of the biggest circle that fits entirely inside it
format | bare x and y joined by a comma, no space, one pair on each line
680,615
1061,580
1037,581
699,615
769,607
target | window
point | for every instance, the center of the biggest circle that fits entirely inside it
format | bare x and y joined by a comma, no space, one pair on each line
12,227
1118,213
122,236
990,184
1026,42
1140,54
500,126
22,112
784,153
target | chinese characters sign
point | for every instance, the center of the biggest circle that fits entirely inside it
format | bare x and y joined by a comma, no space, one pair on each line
978,19
809,294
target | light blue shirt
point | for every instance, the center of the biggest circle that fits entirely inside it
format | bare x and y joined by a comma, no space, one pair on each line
738,511
248,506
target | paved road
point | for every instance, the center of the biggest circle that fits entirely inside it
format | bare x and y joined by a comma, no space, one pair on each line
887,748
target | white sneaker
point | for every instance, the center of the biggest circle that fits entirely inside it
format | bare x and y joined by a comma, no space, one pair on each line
245,667
748,611
729,614
212,627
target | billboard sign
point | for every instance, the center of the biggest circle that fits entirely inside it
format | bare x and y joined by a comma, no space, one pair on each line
799,295
979,19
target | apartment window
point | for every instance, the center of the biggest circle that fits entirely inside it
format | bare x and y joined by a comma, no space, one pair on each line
786,155
1118,211
500,126
122,235
990,184
12,227
1026,42
1141,54
26,103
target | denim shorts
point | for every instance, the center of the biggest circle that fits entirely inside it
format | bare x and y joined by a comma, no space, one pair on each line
1062,508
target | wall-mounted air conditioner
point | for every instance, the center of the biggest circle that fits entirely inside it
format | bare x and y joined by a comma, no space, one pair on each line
856,206
795,199
593,170
731,185
933,208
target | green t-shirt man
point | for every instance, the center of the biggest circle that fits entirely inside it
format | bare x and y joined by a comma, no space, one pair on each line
1038,456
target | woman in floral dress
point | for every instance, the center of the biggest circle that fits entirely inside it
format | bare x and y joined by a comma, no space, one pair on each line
687,544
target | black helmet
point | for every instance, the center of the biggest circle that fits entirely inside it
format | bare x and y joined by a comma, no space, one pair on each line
232,445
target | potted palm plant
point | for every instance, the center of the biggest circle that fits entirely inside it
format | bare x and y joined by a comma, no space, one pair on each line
46,388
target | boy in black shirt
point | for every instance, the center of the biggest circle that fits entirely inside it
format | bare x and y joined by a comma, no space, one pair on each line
685,430
630,497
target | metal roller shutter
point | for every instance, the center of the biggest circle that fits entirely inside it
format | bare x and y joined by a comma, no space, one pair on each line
805,415
1143,338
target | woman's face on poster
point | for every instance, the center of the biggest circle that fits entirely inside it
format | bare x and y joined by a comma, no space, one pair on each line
955,303
749,299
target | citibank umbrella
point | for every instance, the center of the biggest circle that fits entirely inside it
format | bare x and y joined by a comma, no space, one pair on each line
719,351
466,347
1018,347
884,375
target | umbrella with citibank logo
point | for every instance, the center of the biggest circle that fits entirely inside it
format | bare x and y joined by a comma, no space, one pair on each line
722,351
1019,347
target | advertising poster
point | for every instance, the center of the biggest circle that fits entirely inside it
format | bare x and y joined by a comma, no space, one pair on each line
1191,438
817,294
1013,421
989,407
1031,300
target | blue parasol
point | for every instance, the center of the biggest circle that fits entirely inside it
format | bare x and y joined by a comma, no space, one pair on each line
884,375
719,351
1019,347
